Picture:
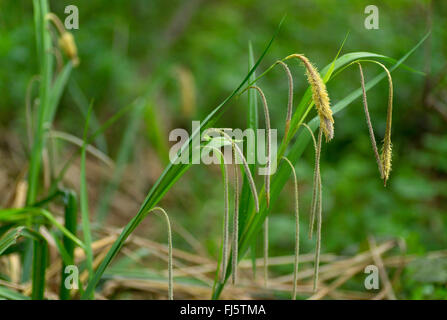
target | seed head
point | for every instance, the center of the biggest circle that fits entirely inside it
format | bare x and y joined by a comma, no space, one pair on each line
290,100
68,46
386,149
319,95
386,159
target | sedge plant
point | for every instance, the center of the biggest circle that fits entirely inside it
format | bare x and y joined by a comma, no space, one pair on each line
251,209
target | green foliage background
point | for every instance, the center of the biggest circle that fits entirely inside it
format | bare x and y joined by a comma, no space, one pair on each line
123,45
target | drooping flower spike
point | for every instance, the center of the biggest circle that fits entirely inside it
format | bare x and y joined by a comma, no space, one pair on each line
66,40
319,96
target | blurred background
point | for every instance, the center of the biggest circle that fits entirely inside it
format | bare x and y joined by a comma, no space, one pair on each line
185,57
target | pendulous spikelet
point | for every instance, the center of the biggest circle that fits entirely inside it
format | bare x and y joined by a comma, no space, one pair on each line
170,276
266,251
386,149
226,228
269,142
68,46
384,160
297,228
290,98
317,203
247,171
319,223
66,39
235,220
315,189
319,95
368,122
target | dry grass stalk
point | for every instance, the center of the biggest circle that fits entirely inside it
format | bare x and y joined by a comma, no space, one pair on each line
388,288
54,134
386,149
28,108
177,253
347,268
226,230
267,176
348,274
236,152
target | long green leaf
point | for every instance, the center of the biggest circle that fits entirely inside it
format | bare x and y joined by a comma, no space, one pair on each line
9,294
246,196
57,90
170,175
85,216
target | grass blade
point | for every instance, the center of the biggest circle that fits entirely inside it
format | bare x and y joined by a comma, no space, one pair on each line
9,294
27,213
43,41
40,258
57,90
